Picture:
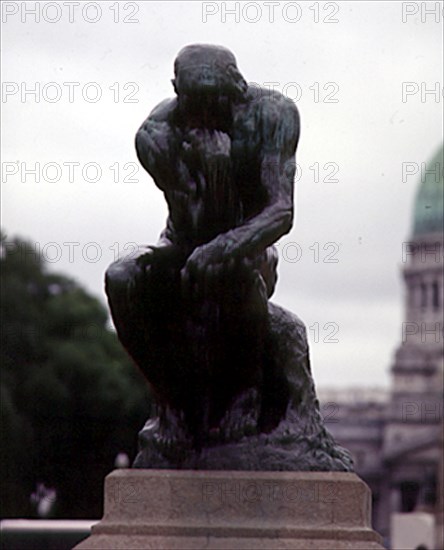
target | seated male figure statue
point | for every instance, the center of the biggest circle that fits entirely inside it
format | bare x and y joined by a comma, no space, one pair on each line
229,370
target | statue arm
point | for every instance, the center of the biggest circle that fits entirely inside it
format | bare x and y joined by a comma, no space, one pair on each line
153,144
276,219
166,238
153,151
280,134
163,249
280,127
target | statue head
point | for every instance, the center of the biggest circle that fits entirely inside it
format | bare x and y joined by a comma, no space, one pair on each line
204,70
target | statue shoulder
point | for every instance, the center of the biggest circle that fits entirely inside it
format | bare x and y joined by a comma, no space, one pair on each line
277,119
162,113
153,138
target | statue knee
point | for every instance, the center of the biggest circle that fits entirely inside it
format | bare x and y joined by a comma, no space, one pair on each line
117,277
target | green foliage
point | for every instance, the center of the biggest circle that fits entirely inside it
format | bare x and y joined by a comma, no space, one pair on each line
71,397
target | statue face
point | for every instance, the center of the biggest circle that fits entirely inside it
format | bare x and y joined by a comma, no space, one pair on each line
200,78
205,72
204,78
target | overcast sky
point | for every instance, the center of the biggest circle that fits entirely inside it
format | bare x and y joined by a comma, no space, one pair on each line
344,63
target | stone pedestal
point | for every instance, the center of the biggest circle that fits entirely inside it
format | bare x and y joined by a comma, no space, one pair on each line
185,509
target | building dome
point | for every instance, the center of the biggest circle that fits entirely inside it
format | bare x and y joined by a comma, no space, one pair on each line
429,204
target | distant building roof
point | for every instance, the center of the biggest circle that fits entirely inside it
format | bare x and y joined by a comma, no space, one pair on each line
353,395
429,203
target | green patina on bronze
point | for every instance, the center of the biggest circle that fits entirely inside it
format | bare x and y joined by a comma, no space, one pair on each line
429,203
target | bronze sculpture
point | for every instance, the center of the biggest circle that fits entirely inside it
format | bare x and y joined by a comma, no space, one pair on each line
229,370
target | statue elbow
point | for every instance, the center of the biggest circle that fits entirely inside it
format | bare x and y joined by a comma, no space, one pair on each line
287,220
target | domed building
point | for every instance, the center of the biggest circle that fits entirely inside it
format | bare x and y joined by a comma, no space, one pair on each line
397,438
429,205
412,447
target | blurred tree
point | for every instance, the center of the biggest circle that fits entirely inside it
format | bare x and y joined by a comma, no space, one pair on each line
71,399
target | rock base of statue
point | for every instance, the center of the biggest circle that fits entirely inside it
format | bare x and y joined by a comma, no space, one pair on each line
299,441
184,509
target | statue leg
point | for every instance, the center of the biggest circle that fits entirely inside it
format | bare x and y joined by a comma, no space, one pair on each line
122,280
145,311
